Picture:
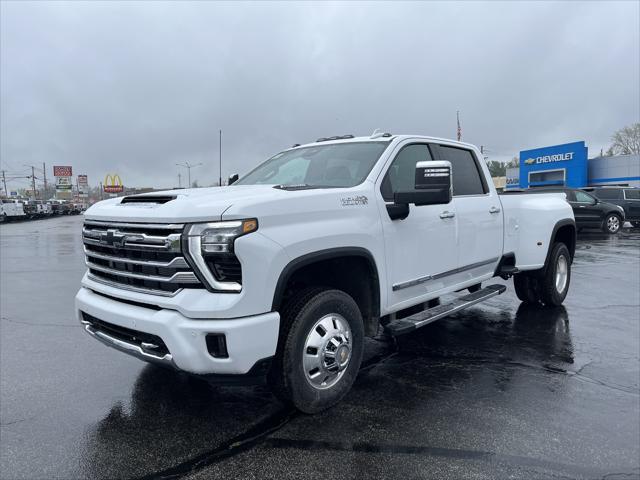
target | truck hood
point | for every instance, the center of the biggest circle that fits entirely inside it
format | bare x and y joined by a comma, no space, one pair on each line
188,205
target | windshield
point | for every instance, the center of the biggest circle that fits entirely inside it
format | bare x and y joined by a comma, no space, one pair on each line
332,165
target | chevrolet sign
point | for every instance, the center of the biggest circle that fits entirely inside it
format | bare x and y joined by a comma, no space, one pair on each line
564,164
560,157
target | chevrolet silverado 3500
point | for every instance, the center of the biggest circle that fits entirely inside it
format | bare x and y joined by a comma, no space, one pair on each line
282,274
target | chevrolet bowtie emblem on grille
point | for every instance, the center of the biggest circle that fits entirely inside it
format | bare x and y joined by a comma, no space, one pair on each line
110,237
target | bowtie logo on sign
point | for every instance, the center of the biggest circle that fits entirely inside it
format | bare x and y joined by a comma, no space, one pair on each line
113,184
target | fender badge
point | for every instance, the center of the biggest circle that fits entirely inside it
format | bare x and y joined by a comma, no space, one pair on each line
352,201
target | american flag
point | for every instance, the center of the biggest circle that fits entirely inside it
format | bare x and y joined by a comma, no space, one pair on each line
459,129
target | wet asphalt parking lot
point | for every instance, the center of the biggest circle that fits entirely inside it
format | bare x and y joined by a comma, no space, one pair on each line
497,391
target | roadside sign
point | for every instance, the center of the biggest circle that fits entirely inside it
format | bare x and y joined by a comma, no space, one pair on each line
62,171
83,186
113,184
63,184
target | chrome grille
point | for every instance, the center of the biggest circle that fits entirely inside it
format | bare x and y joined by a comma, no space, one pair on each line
137,256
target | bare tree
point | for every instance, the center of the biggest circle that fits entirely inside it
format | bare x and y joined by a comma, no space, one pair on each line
496,169
626,141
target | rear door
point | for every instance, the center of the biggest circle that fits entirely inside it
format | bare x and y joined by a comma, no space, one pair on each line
632,198
478,209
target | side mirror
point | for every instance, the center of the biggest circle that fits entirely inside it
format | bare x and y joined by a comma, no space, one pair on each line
233,179
432,185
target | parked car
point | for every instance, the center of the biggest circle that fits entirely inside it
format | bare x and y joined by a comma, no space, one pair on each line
626,197
60,207
588,210
282,274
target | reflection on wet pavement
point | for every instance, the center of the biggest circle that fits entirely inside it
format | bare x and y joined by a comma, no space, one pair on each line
500,390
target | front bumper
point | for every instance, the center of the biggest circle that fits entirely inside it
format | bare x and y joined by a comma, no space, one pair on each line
249,340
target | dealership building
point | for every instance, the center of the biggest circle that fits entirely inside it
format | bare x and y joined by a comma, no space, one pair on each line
569,165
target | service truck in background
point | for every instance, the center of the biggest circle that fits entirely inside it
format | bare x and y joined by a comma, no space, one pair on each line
11,210
282,274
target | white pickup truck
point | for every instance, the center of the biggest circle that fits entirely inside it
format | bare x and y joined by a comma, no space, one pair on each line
282,274
11,210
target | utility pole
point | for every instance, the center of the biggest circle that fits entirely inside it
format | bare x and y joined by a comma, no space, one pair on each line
459,128
179,180
188,167
4,182
44,173
220,156
101,191
33,181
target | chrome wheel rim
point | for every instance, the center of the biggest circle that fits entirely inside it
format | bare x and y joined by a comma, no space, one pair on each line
613,224
562,273
327,351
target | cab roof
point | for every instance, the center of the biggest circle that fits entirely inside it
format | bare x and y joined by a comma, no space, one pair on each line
386,137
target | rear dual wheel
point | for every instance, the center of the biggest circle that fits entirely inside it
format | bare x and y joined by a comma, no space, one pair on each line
319,350
550,285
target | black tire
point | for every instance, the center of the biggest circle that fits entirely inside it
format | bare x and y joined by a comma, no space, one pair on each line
635,224
612,223
540,286
288,379
526,286
552,294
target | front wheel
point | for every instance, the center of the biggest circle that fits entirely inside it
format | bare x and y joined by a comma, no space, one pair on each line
319,350
612,224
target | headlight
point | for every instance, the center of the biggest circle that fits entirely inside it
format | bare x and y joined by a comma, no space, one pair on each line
211,247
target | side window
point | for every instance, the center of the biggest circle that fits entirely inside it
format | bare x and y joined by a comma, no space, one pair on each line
584,197
401,176
632,194
607,193
467,179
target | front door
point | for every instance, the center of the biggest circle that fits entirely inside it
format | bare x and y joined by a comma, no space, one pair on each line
585,209
422,245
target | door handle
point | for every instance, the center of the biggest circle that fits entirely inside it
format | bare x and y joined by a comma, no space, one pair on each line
494,209
582,206
447,214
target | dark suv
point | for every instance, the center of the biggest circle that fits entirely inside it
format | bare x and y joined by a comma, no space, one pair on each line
626,197
589,211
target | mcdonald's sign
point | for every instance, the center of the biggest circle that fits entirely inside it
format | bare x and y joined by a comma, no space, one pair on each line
113,184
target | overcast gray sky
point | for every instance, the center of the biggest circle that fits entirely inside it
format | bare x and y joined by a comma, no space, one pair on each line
135,88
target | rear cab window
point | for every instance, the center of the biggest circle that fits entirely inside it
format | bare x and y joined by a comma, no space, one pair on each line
465,170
